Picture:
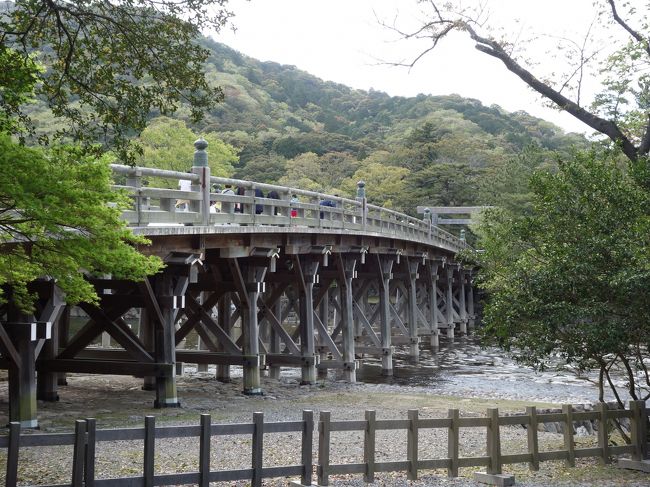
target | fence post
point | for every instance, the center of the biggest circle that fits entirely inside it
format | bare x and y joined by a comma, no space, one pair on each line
13,449
452,443
257,448
369,447
493,442
149,449
78,453
567,410
307,443
323,448
89,473
204,450
603,432
412,445
638,430
533,444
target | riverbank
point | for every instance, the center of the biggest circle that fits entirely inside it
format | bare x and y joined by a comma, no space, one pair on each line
120,402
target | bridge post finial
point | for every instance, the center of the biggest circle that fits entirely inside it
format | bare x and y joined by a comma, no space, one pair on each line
201,168
361,189
462,235
200,154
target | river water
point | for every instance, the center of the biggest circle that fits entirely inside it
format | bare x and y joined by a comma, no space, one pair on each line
465,368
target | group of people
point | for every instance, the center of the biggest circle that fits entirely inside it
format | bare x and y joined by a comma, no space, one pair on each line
232,207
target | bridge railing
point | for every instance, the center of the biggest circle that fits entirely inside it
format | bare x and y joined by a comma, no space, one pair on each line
201,200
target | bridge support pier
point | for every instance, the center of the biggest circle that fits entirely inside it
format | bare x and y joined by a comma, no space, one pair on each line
18,346
432,286
449,302
414,345
274,339
249,289
347,268
165,343
324,316
385,267
225,322
461,300
307,270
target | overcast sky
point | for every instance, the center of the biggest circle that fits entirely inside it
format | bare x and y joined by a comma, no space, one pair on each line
342,41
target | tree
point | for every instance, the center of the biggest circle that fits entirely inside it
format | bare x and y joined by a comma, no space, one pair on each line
167,144
572,277
61,223
107,64
620,111
385,185
101,67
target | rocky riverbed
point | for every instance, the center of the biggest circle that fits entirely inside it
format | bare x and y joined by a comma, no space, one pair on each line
463,377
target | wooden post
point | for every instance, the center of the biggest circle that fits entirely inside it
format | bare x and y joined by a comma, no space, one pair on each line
89,469
385,265
603,432
324,313
22,375
13,450
308,272
306,446
452,443
250,330
493,442
275,339
78,453
347,314
63,332
257,449
323,449
449,302
461,301
470,303
433,304
149,450
200,345
533,444
414,348
204,450
569,445
165,346
146,335
638,430
412,445
225,322
369,447
201,167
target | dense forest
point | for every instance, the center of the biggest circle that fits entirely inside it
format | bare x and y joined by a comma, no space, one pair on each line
293,128
283,125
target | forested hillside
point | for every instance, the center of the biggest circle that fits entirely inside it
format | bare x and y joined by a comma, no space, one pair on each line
292,128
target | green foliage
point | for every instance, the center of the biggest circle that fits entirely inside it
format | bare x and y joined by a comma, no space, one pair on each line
168,144
572,277
110,63
52,225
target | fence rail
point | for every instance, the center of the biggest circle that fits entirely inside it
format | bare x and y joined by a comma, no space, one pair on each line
86,436
293,207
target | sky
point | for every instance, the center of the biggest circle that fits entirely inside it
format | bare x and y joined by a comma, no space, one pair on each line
343,41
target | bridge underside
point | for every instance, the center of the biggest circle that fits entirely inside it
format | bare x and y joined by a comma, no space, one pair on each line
268,300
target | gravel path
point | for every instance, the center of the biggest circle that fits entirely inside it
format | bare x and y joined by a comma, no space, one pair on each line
119,402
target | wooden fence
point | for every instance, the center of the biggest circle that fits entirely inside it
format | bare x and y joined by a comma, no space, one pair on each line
85,438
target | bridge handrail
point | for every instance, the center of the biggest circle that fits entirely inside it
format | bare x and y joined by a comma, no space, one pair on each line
249,209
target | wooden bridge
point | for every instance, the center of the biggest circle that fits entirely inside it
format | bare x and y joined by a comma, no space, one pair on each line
300,279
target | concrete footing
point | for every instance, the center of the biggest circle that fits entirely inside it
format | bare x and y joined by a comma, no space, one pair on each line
641,465
498,479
